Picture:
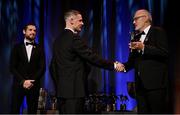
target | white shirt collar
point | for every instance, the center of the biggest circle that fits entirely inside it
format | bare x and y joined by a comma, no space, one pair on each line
26,40
147,29
71,30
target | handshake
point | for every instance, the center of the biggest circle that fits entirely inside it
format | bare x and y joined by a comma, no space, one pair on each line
119,67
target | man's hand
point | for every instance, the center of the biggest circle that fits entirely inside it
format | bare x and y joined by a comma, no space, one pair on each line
119,67
136,45
28,84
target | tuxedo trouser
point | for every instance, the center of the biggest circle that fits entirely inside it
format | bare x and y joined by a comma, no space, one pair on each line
18,95
152,101
70,105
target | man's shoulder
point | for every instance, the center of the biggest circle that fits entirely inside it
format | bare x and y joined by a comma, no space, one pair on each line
18,44
65,36
157,28
64,33
67,32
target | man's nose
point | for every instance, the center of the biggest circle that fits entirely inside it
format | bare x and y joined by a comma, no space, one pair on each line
34,32
134,22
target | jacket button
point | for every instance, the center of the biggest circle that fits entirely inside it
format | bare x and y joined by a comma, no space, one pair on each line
138,73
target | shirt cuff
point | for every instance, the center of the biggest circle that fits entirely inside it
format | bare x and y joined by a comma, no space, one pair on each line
114,65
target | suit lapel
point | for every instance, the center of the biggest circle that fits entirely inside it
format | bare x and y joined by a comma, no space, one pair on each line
24,52
147,36
34,50
33,53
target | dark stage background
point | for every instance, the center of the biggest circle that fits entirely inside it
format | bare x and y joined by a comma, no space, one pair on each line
106,30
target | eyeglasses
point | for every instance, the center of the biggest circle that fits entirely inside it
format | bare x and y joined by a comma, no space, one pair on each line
136,18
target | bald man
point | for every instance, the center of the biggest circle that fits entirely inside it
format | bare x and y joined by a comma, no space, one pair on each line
149,56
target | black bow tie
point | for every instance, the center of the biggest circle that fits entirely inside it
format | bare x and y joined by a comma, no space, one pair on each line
30,43
137,36
141,33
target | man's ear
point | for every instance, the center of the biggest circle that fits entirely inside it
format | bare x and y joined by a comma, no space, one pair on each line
24,32
71,21
147,19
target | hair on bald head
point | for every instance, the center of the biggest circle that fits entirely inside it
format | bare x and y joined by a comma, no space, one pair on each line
148,14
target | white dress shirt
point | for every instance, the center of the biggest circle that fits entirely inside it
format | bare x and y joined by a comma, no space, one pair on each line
28,49
144,35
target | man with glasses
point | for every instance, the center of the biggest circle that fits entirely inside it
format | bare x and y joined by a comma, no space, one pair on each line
149,57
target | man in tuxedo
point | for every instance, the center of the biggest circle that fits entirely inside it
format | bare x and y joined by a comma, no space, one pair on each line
27,64
69,65
149,57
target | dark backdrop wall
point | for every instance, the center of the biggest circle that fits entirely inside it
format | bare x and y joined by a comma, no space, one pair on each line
171,25
107,27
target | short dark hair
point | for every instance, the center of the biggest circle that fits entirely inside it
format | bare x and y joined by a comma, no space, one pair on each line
30,23
70,13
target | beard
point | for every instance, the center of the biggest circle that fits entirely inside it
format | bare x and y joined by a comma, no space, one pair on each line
30,38
78,30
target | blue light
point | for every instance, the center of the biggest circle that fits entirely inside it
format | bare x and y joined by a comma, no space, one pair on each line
123,27
104,45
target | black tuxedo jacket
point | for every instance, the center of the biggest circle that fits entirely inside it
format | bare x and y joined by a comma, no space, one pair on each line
69,65
24,70
151,69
